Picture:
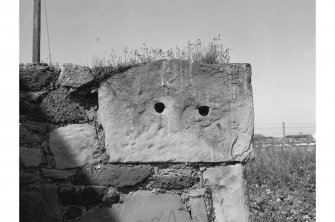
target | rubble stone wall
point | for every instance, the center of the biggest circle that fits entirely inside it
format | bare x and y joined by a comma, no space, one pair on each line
102,151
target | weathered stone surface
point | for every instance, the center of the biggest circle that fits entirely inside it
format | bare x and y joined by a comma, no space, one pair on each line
197,192
51,205
79,195
112,196
37,78
178,111
26,177
173,182
73,145
228,192
57,174
198,210
74,75
115,175
31,157
31,97
174,172
27,137
73,212
40,128
173,179
142,206
31,206
59,107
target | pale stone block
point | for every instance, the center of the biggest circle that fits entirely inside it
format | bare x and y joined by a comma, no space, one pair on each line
228,192
142,206
73,145
74,75
198,210
178,111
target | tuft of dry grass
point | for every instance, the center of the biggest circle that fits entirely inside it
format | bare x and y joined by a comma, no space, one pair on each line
212,53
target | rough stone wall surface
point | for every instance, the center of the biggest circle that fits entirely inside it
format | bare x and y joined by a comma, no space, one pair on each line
177,111
135,164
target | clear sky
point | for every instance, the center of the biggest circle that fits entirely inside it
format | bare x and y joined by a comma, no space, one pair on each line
276,36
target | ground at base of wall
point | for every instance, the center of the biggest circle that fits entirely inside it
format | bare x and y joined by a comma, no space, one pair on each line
282,186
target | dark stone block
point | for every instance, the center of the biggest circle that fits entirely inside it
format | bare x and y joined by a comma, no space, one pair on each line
73,212
31,206
38,78
28,137
111,196
77,195
26,178
59,107
40,128
119,176
174,182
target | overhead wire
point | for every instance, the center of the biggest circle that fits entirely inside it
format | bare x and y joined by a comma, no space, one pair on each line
46,21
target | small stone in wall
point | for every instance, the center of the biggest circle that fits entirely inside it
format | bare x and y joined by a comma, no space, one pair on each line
57,174
26,178
31,157
73,212
73,145
28,137
173,182
40,128
197,192
112,196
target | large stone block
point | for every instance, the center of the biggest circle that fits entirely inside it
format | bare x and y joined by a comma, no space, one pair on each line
74,75
73,145
143,206
178,111
228,189
119,176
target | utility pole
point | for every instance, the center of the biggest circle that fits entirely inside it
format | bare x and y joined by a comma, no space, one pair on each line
37,31
284,134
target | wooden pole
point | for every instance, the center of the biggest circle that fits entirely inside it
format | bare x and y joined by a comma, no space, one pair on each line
37,31
284,134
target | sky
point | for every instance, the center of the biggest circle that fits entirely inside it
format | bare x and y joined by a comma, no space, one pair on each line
277,37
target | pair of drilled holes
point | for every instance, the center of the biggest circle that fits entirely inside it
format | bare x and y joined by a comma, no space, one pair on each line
203,110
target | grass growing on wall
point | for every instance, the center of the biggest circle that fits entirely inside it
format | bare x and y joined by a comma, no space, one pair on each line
212,53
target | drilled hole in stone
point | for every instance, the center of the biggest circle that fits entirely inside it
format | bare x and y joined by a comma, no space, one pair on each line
159,107
203,110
